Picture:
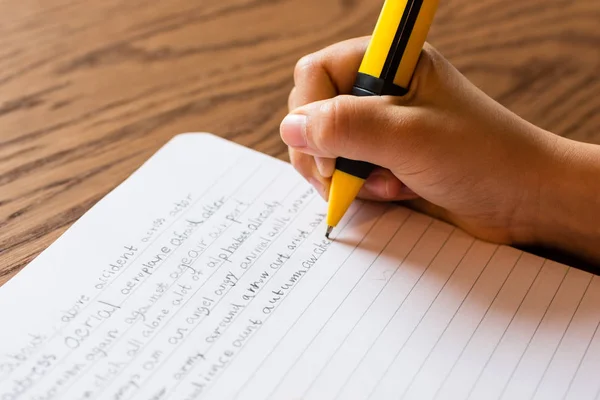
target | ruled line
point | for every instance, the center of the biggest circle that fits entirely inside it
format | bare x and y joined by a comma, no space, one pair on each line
450,322
534,333
537,387
67,388
596,332
128,296
477,327
308,306
385,372
401,303
342,303
506,329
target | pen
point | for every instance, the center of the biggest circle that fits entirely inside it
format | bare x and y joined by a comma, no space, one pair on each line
386,70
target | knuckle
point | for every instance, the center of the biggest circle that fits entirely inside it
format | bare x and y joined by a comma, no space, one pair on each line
305,67
326,128
336,132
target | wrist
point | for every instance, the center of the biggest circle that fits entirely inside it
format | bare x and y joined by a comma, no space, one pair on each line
531,180
566,212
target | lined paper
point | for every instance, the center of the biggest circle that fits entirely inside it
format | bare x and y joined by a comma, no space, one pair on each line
206,275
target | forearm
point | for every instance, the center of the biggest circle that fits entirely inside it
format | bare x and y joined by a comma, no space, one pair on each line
568,212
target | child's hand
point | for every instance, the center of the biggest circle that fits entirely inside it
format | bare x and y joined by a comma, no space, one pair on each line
446,146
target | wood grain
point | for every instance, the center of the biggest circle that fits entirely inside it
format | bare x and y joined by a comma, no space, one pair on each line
89,90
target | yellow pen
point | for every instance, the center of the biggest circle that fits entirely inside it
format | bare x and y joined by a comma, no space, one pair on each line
386,70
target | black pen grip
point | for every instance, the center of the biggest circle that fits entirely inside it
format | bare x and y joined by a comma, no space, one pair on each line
360,169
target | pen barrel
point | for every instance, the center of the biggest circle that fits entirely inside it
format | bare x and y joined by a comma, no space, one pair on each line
396,43
390,59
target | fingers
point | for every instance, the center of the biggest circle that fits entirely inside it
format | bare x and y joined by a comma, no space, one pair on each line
323,75
359,128
325,166
328,72
305,165
383,185
332,71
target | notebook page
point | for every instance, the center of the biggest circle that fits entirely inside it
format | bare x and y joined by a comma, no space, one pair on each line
207,275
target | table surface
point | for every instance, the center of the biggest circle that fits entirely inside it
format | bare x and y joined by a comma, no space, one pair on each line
89,90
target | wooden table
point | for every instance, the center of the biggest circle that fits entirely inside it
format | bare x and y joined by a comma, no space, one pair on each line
89,90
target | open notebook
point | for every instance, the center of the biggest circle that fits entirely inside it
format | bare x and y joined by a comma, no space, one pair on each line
206,275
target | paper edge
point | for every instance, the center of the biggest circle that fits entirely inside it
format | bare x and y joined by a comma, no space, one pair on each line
164,147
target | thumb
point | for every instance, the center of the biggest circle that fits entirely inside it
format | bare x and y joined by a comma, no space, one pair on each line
358,128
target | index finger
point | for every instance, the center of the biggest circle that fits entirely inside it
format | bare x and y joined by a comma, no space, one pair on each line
328,72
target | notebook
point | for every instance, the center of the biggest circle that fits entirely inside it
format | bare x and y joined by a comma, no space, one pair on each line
206,275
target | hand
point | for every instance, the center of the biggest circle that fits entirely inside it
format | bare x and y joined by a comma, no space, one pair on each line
446,148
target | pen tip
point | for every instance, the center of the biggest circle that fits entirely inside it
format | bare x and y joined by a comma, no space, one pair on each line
329,229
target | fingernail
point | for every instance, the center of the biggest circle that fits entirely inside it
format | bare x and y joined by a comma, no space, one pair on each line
293,130
319,187
377,185
326,166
